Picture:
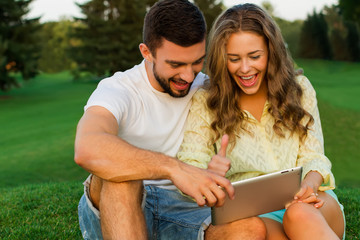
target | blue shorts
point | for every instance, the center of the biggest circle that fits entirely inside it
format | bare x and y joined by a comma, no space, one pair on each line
169,215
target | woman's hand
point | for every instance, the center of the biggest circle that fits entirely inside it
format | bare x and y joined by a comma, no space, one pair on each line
219,164
308,191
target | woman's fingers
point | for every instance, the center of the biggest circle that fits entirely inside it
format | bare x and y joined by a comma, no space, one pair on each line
320,203
312,198
300,194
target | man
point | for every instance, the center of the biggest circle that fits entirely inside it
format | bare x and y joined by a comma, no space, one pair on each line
133,126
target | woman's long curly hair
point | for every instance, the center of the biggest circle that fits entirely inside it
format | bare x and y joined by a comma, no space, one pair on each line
284,93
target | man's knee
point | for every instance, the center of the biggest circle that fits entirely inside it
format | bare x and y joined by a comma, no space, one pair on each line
250,228
102,190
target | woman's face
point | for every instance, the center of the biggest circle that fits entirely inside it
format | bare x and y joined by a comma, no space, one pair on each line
247,58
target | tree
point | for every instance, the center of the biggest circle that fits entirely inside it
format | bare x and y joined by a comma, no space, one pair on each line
314,40
19,44
269,8
337,33
344,35
353,41
111,31
110,35
211,10
55,41
290,31
350,9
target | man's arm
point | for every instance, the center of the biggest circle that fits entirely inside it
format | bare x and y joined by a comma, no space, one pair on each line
100,151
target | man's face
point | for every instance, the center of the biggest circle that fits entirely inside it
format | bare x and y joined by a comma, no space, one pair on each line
175,67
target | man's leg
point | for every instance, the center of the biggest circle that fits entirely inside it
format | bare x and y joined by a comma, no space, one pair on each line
119,204
250,228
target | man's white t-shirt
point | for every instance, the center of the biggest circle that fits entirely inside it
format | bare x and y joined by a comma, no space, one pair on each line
147,118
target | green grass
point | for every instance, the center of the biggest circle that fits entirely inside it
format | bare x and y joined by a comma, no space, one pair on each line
337,85
40,184
40,211
49,211
37,131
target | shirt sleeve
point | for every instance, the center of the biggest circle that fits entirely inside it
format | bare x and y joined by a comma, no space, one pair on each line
311,153
196,148
112,96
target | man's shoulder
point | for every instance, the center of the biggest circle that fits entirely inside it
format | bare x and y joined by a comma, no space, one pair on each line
126,78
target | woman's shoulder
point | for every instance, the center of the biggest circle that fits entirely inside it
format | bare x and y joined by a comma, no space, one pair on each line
199,103
200,96
305,85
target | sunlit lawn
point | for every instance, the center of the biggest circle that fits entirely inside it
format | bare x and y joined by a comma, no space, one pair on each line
338,89
37,130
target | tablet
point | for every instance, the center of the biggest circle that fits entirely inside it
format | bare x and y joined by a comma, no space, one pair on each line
259,195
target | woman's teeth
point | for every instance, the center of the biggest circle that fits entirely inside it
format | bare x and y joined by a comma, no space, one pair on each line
247,77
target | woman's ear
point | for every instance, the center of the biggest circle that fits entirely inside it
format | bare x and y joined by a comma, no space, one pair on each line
145,52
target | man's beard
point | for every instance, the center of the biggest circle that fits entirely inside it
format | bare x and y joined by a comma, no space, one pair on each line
165,84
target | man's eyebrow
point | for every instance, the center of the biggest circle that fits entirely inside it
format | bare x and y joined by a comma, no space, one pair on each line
201,58
183,63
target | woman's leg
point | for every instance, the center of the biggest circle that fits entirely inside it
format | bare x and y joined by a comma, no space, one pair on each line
304,221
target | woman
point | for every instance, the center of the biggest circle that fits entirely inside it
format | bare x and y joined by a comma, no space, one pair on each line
271,119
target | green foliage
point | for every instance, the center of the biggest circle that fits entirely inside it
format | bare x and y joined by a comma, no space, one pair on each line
18,42
337,33
290,31
55,42
314,41
110,34
353,41
211,10
351,10
326,35
344,35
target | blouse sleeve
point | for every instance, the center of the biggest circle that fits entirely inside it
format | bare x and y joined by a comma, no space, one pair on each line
196,149
311,154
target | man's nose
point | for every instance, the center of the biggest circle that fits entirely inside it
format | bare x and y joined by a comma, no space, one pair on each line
187,74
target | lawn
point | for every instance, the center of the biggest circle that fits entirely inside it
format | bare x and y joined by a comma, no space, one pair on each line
38,129
40,184
338,90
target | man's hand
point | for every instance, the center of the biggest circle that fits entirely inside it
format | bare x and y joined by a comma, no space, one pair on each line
204,186
219,164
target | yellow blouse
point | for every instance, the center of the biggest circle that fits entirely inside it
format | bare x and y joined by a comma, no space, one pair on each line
261,150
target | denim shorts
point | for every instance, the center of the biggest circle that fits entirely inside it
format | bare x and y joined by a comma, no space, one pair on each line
169,215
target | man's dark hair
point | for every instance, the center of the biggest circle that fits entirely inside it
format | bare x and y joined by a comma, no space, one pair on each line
178,21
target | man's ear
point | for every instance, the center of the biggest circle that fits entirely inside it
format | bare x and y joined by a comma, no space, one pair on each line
145,52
